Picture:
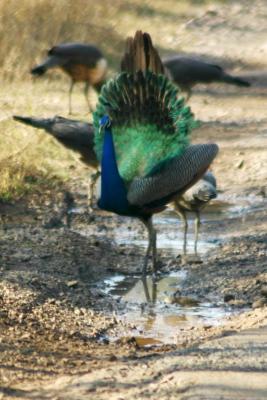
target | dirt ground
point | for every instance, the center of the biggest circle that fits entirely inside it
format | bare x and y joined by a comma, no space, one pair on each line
55,319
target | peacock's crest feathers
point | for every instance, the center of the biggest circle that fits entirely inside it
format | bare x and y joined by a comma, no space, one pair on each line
150,123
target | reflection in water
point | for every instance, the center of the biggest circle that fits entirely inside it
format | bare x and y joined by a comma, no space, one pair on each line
155,309
168,225
151,308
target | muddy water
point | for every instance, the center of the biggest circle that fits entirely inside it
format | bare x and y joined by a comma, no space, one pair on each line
152,310
170,231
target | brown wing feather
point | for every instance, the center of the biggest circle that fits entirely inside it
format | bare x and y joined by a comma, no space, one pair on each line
140,55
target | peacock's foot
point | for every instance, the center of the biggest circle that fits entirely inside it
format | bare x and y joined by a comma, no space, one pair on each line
150,268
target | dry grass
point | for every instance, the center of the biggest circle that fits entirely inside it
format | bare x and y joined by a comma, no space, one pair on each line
27,29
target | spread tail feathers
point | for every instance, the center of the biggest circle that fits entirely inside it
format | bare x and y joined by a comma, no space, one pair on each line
147,115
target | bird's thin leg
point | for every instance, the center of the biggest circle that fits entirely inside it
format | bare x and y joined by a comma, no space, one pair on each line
197,225
146,291
152,245
153,298
154,289
91,189
185,224
86,90
182,215
146,257
70,93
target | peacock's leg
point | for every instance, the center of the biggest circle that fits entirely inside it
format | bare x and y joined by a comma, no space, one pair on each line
152,246
91,189
197,225
153,298
182,215
70,93
154,289
185,225
146,290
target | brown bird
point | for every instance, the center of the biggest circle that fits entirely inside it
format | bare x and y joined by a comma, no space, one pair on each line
82,62
186,72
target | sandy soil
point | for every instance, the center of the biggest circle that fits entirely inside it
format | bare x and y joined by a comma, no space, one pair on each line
55,320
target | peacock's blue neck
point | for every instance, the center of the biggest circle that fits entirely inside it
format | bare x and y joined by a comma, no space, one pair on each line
113,192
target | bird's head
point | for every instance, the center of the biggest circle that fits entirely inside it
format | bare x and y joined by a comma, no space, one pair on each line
104,122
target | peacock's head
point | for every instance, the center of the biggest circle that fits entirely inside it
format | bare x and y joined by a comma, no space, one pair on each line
104,122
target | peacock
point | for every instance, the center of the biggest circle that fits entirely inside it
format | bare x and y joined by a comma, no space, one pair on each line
142,140
195,199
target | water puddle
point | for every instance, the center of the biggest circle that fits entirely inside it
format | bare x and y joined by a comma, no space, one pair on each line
169,236
169,229
154,312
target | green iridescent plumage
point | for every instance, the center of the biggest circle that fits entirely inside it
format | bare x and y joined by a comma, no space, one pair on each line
150,122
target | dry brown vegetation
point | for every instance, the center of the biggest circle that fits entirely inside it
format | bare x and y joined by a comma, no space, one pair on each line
29,27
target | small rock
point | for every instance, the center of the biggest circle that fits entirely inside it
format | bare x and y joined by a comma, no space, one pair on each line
113,357
206,327
184,301
237,303
191,259
228,332
263,291
72,283
228,297
259,303
239,164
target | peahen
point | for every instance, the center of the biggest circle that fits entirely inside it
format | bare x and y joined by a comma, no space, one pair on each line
143,140
75,135
195,199
82,62
187,72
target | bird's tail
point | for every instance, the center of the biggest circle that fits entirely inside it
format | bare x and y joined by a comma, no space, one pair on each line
141,55
235,80
42,123
141,93
148,116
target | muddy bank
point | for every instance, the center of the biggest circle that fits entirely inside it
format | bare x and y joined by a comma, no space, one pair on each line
58,318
